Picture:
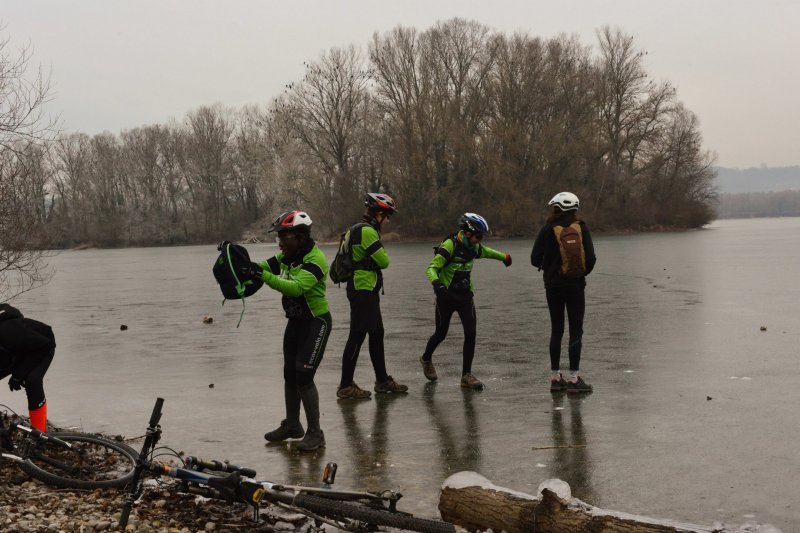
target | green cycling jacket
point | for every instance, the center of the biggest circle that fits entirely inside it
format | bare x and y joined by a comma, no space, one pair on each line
369,257
452,263
302,281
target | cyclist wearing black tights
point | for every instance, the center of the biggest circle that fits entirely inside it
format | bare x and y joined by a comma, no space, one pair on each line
363,292
450,273
564,292
298,272
26,350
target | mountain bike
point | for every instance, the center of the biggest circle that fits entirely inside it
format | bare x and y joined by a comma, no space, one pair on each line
66,459
356,511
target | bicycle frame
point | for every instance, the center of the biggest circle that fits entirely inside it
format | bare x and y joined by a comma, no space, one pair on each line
269,490
239,484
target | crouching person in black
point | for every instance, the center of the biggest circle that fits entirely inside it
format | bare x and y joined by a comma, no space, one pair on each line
27,347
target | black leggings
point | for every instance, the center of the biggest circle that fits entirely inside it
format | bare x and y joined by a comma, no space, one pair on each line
445,307
34,369
573,299
304,343
365,319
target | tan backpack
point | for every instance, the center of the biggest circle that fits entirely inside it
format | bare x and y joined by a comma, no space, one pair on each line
570,244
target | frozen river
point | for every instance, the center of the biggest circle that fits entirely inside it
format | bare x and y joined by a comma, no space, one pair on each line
694,415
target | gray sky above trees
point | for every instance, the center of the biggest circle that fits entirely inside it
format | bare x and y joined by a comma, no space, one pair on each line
122,64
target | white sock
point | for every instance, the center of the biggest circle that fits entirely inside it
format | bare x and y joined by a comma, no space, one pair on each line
573,376
555,375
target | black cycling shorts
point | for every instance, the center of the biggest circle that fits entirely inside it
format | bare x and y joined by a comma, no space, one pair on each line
304,342
365,311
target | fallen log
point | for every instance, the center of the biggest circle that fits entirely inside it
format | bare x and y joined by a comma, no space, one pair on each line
476,504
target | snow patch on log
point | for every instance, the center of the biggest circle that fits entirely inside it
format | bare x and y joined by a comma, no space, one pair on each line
561,488
462,480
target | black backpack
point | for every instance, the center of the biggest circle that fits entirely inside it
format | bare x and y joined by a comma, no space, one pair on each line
228,270
342,266
458,250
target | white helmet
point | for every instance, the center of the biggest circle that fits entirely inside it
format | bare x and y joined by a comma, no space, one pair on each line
566,201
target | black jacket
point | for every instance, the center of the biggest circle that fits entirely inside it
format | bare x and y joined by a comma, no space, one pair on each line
23,341
546,256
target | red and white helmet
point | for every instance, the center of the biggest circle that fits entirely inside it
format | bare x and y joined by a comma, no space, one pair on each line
377,201
292,221
566,201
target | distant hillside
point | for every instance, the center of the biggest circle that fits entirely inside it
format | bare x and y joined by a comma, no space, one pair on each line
758,192
762,179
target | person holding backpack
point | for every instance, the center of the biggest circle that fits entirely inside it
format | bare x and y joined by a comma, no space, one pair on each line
298,272
564,252
368,258
450,273
27,347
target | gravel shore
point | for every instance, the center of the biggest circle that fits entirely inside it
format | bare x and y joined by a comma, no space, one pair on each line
29,506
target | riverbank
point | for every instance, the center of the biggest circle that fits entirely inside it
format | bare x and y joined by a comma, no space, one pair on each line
30,506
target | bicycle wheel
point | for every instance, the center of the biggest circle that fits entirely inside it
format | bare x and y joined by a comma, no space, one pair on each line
91,462
337,509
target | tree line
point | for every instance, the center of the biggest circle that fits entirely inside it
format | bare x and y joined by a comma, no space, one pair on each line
450,119
759,204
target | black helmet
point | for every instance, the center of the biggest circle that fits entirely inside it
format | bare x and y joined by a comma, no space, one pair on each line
297,221
377,201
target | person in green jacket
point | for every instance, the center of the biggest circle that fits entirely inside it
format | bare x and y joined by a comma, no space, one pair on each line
450,273
369,259
298,272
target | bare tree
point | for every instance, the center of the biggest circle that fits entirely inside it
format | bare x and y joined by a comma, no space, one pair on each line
24,130
208,166
251,161
631,109
69,163
681,186
326,112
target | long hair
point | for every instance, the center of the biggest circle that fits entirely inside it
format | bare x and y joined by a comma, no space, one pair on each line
562,217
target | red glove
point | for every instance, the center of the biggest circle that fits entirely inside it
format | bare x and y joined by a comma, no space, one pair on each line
507,260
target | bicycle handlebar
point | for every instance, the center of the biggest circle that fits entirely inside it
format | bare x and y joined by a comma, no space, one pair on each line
156,416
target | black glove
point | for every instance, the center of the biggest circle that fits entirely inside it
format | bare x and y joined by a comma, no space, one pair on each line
252,271
221,246
15,383
439,289
507,260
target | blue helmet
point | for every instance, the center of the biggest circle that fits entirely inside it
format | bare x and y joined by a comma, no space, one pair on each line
474,223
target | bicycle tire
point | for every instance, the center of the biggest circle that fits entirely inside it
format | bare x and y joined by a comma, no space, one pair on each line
92,463
339,509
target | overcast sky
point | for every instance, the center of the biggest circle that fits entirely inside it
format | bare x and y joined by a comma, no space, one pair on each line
121,64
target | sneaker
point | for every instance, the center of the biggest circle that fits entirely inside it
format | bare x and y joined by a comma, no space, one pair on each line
285,431
558,385
314,439
468,381
390,385
428,369
574,387
353,392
